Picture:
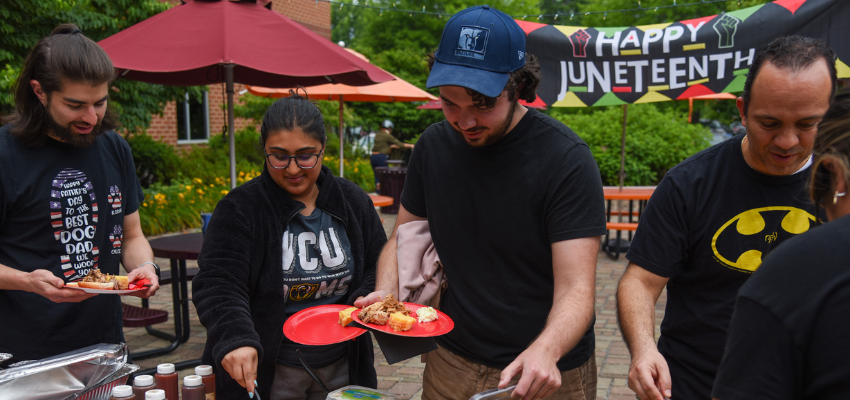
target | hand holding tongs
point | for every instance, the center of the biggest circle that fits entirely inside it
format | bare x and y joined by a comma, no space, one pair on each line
494,394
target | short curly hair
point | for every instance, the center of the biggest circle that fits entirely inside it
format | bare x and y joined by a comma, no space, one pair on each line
527,79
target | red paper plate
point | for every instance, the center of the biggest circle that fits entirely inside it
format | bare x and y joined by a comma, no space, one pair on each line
319,325
441,326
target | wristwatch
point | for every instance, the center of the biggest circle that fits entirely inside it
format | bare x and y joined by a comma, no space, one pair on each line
155,268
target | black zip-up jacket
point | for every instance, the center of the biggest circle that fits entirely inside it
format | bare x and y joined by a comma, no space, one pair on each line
239,290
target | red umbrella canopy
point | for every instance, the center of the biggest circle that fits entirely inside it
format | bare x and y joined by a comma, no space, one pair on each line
184,45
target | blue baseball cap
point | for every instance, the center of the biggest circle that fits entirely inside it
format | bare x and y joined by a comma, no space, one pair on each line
479,49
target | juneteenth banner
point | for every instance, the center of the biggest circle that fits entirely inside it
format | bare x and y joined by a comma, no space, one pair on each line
595,66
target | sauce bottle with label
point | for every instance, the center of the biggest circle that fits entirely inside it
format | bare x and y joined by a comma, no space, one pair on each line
206,372
122,392
142,384
166,379
193,388
155,394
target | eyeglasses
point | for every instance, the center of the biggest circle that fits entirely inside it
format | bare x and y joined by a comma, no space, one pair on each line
303,161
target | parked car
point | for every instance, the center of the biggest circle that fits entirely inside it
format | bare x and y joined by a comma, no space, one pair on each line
737,128
719,132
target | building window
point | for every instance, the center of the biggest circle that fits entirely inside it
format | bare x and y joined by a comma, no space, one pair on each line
193,120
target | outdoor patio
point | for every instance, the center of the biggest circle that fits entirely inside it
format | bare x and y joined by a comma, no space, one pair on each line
405,378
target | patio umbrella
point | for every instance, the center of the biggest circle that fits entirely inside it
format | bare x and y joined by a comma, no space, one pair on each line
390,91
438,104
203,42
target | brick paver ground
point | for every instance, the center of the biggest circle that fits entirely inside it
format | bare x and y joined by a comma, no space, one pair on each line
405,378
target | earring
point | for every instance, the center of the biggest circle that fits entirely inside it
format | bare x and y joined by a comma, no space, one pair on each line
836,196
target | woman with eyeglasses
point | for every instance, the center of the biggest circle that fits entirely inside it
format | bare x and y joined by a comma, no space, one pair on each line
788,335
292,238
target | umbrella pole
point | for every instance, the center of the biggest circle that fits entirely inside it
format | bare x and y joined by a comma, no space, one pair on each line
341,140
623,148
228,75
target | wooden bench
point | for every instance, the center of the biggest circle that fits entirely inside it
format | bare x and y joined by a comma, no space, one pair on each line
613,248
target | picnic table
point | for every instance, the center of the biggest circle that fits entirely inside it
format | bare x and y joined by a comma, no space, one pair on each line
623,218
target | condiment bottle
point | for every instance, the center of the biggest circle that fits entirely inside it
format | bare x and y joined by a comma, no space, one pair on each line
155,394
166,379
193,388
206,372
142,384
122,392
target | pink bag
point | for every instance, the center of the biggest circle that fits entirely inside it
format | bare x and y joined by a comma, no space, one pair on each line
420,273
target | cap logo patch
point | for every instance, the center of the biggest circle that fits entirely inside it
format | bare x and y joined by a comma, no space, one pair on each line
472,42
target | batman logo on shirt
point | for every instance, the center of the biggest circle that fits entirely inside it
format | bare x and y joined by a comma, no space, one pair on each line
741,243
302,291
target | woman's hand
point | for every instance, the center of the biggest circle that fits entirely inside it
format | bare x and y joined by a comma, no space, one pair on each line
241,364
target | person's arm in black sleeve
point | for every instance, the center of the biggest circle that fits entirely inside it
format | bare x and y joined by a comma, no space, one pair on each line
221,292
761,361
657,251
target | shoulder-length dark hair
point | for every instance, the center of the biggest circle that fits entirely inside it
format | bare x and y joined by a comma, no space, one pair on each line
65,55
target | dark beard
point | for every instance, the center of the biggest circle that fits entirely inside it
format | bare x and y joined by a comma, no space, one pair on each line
65,135
497,133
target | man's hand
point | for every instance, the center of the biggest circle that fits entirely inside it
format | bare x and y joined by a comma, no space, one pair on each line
148,272
540,375
44,283
649,376
241,364
370,298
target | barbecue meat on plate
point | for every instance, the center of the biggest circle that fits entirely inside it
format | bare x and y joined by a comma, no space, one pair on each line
379,313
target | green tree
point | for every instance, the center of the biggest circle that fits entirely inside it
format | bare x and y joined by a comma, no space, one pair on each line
656,140
24,22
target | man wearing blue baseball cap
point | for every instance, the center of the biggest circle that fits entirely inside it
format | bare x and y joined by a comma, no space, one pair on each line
515,209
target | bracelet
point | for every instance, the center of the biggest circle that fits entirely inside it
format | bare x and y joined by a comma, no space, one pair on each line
155,268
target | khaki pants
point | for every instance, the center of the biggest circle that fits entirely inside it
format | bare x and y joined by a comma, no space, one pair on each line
449,376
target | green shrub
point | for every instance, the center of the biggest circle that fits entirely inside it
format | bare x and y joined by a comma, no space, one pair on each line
156,161
655,141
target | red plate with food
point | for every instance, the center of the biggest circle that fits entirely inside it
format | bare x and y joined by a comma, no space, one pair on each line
319,325
439,326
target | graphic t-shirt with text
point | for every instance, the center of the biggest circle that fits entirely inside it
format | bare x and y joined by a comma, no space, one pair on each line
62,210
317,270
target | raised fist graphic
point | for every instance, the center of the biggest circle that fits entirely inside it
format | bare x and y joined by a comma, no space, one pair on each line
726,27
579,41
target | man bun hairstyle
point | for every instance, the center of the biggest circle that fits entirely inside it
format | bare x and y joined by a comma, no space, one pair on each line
831,143
66,54
292,112
794,53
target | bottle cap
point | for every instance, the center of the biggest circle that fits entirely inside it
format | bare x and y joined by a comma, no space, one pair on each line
155,394
193,380
122,391
143,380
165,368
203,370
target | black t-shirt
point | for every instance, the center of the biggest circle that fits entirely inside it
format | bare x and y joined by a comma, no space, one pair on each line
707,227
788,336
62,209
493,214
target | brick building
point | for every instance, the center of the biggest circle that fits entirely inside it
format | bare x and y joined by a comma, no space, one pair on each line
193,122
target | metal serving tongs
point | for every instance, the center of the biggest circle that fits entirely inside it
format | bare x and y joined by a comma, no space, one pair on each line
493,394
310,372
